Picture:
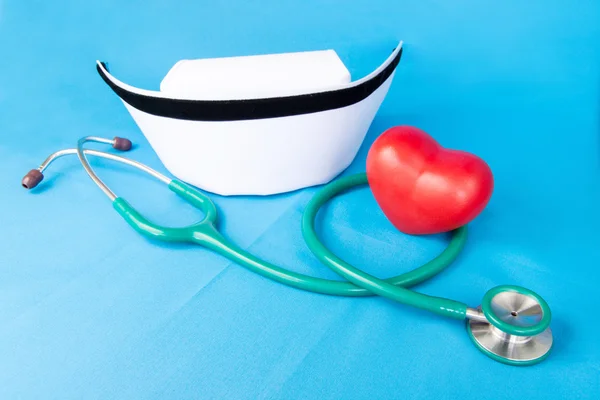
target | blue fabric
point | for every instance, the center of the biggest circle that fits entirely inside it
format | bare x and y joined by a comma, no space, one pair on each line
89,309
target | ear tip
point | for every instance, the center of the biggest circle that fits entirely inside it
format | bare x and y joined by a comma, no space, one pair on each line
32,179
122,144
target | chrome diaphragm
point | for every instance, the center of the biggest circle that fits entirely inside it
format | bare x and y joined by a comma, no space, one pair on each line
512,326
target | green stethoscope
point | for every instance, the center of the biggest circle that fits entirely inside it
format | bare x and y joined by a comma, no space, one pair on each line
510,326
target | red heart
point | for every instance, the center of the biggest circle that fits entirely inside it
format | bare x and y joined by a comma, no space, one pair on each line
424,188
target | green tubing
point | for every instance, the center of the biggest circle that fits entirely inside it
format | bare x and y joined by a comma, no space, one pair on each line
359,283
190,233
488,311
195,198
445,307
155,231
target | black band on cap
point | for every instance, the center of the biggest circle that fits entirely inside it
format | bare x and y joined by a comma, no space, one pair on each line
248,109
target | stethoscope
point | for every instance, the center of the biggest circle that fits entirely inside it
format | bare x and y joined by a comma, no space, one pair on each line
510,326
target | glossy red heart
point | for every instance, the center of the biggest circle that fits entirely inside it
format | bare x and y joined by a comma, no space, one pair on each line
424,188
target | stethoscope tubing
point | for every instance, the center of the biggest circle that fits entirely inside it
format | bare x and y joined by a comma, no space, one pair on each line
381,287
354,287
490,326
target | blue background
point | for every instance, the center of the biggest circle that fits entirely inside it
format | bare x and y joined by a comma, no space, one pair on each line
89,309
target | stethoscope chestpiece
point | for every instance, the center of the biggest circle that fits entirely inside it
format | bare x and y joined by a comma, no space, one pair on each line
515,329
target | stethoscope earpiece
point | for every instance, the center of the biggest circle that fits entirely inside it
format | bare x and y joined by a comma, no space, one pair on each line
32,179
121,144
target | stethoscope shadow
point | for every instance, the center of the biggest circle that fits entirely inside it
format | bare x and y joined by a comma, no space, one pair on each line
563,336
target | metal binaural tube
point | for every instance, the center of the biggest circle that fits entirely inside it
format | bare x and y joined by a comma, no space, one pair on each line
88,168
35,176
